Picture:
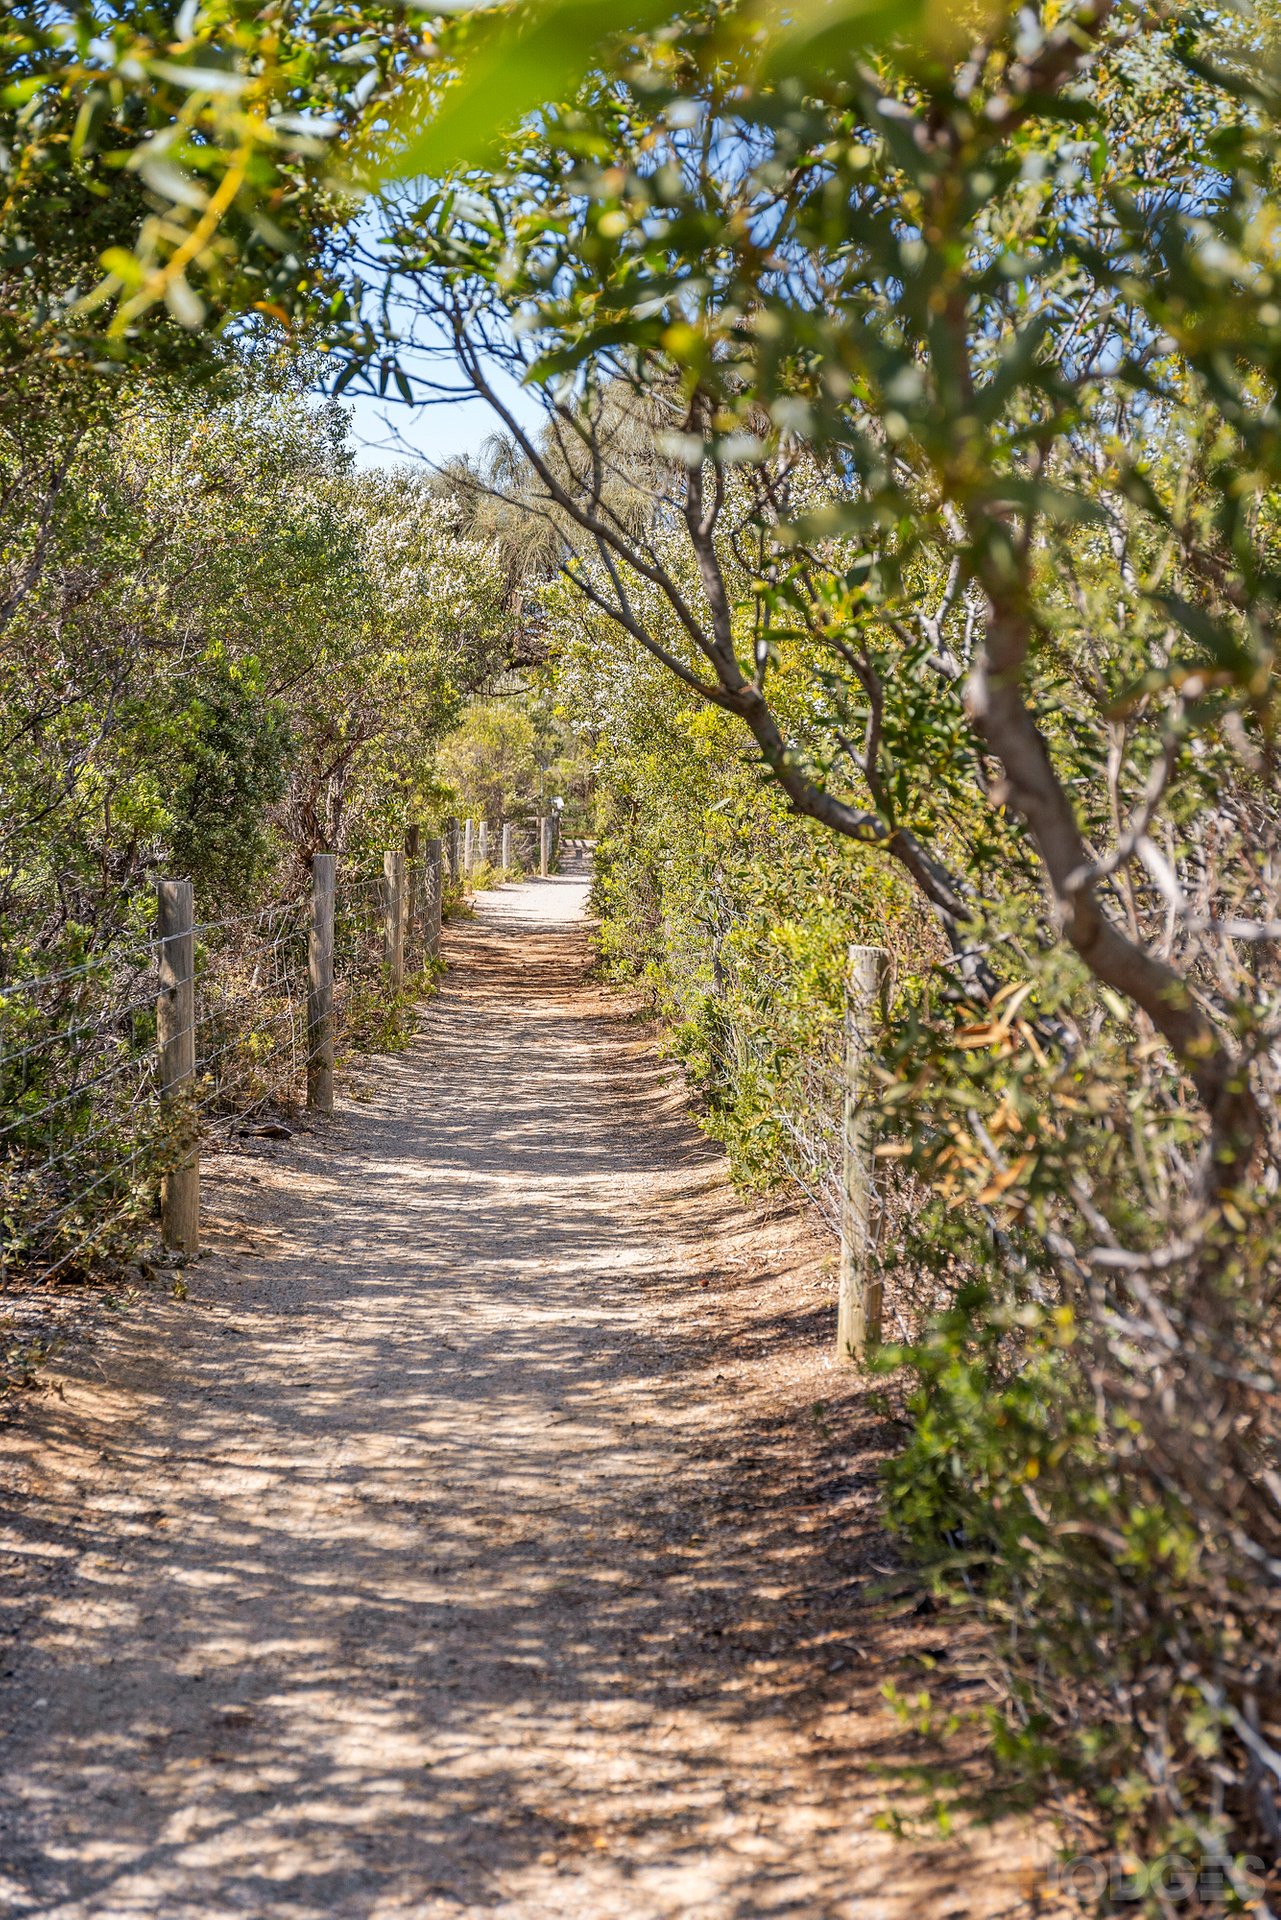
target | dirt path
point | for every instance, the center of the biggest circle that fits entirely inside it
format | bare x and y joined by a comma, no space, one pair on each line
484,1536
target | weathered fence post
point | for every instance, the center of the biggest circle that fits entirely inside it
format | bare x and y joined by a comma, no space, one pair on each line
482,842
505,857
320,985
544,846
469,846
434,889
394,917
858,1311
451,849
176,1035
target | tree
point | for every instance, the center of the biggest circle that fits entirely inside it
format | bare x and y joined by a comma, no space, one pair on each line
205,165
436,624
225,650
947,311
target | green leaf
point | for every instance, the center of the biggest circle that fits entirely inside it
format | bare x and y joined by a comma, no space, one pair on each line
1219,642
517,61
218,80
524,58
819,36
345,378
125,265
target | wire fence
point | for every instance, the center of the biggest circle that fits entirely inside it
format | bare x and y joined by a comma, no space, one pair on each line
78,1058
85,1138
778,1058
251,1014
767,1049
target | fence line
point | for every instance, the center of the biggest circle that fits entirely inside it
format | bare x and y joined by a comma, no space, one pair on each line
820,1092
470,844
113,1070
88,1140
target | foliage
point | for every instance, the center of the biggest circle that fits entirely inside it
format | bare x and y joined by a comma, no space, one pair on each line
954,439
164,176
177,169
434,626
235,754
490,762
1037,1479
735,917
381,1022
248,661
918,423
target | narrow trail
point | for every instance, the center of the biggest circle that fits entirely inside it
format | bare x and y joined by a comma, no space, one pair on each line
483,1536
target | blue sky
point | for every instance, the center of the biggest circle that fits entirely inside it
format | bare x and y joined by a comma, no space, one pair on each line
386,433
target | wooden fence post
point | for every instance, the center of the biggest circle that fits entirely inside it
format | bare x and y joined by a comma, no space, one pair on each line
414,910
505,858
434,887
469,844
406,914
176,1035
858,1311
320,985
414,915
394,918
482,842
544,847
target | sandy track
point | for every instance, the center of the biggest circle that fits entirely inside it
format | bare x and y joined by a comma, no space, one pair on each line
483,1537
